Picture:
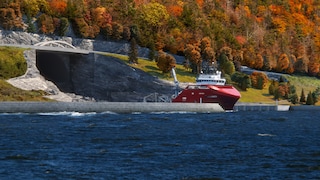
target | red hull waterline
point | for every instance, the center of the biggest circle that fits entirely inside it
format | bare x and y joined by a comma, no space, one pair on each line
225,95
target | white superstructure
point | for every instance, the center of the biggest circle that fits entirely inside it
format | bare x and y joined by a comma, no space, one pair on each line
211,79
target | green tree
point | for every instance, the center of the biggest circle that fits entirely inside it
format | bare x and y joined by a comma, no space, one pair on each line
64,25
316,95
243,80
310,99
31,27
272,88
302,97
152,50
293,98
229,68
222,60
133,53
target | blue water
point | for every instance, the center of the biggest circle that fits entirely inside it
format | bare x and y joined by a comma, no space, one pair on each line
241,145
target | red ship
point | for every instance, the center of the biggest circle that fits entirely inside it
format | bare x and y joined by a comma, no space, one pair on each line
209,88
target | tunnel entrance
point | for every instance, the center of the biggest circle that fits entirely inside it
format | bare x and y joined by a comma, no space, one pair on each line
55,67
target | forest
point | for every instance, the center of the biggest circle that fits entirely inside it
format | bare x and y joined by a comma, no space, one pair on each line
270,35
281,36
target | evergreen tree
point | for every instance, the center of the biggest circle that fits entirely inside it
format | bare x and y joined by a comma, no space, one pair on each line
152,50
276,95
302,97
271,89
310,99
133,53
64,25
260,82
315,95
293,98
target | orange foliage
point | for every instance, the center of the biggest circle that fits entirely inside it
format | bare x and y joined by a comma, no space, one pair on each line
101,17
279,24
276,10
283,90
175,10
247,10
283,63
301,20
313,68
255,76
200,3
241,40
295,6
259,62
317,41
140,2
58,6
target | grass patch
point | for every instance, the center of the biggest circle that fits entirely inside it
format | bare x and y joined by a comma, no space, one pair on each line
12,62
304,82
256,96
151,67
11,93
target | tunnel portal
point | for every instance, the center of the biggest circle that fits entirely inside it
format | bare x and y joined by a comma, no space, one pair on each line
55,67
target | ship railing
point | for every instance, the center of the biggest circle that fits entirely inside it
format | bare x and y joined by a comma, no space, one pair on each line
156,97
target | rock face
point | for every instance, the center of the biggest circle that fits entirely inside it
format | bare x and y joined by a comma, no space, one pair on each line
93,77
105,78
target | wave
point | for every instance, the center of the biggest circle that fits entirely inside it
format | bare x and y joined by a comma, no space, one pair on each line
65,113
264,134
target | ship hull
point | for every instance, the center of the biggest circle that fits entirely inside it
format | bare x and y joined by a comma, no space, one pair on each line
225,95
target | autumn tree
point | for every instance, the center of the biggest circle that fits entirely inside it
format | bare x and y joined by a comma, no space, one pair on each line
207,51
11,17
46,24
165,62
193,55
259,62
283,63
101,17
86,30
301,65
151,17
32,7
259,79
117,30
58,7
175,10
313,68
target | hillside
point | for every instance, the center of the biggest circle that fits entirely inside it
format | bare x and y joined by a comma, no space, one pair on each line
278,36
274,35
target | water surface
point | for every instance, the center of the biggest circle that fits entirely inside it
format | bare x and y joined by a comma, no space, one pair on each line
240,145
